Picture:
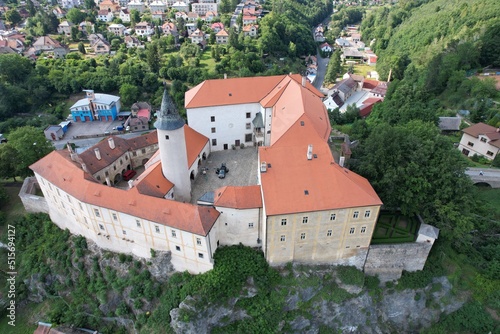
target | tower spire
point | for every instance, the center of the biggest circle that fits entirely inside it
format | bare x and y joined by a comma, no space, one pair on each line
168,116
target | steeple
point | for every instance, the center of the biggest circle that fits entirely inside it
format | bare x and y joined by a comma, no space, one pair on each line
168,117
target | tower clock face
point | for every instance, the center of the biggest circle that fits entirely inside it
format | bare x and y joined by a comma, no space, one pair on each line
230,125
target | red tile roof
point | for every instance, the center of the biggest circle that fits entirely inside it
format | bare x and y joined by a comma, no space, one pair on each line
248,197
195,142
59,170
152,182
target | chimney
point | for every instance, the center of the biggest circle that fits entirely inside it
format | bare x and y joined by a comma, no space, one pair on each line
225,75
309,152
341,161
108,181
69,147
111,143
304,80
97,153
84,167
73,156
263,167
130,184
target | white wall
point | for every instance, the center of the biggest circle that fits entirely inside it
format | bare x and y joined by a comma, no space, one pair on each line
239,226
480,148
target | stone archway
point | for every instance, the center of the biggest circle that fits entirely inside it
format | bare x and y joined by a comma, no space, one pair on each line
204,156
118,178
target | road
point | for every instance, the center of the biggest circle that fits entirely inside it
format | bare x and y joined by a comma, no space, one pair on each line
320,74
92,141
487,172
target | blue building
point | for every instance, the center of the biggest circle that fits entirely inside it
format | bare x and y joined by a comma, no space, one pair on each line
96,107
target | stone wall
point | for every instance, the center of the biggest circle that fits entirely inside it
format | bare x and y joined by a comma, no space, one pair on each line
32,202
389,261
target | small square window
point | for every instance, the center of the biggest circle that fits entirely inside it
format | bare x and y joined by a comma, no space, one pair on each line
471,144
305,220
157,228
329,233
367,214
483,140
73,211
115,217
248,137
248,126
174,234
214,142
143,150
101,226
333,216
249,115
138,223
178,248
302,236
81,206
283,238
363,229
200,255
124,232
114,167
489,153
355,215
167,137
198,241
212,130
352,230
250,225
85,220
106,173
283,222
212,118
97,213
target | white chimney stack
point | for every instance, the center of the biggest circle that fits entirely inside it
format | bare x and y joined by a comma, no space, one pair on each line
304,80
309,152
341,161
97,153
108,181
263,167
84,167
111,143
225,75
130,184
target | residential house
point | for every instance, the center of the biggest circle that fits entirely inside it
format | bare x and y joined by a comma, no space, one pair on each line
251,30
192,17
68,4
197,37
355,37
325,47
481,139
117,29
159,15
169,28
341,42
105,15
131,42
65,28
86,27
124,15
101,47
109,5
190,27
181,15
144,29
222,37
157,6
249,19
50,46
94,37
380,90
333,101
202,8
59,12
449,124
217,26
209,16
345,88
136,5
180,6
96,107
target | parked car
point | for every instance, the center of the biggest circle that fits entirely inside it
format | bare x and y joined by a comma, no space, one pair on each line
129,174
222,171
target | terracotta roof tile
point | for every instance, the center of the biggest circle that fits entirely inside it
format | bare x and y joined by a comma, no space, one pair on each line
195,142
152,182
248,197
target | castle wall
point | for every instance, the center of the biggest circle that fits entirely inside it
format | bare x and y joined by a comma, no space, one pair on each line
32,202
239,226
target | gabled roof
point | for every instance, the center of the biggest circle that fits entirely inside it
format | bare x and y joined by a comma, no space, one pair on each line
46,41
195,142
248,197
481,129
152,182
345,85
59,170
449,123
222,33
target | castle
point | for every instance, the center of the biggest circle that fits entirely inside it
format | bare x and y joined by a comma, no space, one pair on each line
303,206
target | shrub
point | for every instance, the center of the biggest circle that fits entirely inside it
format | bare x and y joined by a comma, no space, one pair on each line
351,275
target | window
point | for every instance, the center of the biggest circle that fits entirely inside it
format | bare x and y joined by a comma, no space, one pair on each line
157,228
489,153
96,212
283,238
85,220
101,226
62,203
302,236
329,233
115,217
214,142
81,206
248,137
250,225
367,214
198,241
305,220
114,167
356,214
212,130
138,223
363,229
471,144
483,140
69,199
106,173
248,126
200,255
333,216
174,234
212,118
121,162
124,232
249,115
73,211
134,153
143,150
58,193
167,137
178,248
352,230
283,222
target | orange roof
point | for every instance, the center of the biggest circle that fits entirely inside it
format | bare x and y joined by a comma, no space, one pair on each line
318,184
59,170
195,142
248,197
222,32
230,91
152,182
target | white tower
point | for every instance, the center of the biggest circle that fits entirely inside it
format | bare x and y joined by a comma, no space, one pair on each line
172,146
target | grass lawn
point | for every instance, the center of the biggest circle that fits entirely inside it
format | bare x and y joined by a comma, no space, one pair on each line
363,69
395,228
206,60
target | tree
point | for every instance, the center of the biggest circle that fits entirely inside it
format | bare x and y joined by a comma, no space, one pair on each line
135,17
74,33
129,93
75,15
30,145
334,67
153,57
14,68
13,17
81,48
8,158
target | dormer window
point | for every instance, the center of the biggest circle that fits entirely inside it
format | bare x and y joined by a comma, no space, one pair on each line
483,139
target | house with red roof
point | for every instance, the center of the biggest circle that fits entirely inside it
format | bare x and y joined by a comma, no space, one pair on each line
481,139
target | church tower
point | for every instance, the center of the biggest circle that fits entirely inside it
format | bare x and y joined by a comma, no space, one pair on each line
173,151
